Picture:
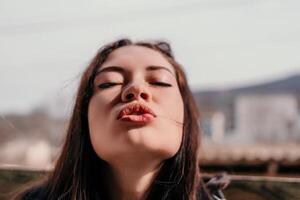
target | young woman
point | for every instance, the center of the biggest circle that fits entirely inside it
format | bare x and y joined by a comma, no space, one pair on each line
133,134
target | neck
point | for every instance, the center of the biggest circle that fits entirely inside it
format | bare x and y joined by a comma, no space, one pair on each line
130,181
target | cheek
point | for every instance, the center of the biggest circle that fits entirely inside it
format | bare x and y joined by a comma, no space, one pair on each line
171,104
173,139
98,125
171,120
96,109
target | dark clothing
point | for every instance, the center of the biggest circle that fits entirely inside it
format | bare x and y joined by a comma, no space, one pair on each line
211,190
35,193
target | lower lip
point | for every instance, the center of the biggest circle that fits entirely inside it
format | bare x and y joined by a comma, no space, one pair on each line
144,118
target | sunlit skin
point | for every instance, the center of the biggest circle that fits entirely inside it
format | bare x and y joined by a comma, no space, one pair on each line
135,151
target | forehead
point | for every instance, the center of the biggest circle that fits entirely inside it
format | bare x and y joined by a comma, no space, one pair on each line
136,56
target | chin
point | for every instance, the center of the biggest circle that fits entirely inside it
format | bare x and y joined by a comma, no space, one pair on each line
139,152
155,149
150,140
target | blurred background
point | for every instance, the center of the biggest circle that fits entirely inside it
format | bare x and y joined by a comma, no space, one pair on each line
241,58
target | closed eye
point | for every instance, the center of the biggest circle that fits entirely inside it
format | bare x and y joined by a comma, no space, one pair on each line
107,85
163,84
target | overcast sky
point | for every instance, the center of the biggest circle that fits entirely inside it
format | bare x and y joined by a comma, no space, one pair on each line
45,45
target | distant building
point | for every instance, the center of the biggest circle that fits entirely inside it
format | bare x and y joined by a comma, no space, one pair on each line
267,117
213,126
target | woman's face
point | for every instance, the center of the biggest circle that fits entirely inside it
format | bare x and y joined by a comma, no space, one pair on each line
137,108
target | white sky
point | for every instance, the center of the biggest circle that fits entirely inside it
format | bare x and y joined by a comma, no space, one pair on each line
44,45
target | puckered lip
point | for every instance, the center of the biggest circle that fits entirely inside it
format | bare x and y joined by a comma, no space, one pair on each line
135,109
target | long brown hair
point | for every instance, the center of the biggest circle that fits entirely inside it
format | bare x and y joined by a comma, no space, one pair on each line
80,174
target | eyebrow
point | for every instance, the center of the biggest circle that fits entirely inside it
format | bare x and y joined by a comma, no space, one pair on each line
155,67
122,71
111,69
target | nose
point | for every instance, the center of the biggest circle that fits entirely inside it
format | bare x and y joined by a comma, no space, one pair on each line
135,92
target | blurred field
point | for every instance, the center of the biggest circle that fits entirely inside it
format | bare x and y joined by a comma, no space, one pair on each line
13,180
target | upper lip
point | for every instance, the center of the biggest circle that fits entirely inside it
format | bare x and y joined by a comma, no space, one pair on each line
135,108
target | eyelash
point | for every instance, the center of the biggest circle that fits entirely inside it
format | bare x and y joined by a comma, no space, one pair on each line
111,84
163,84
107,85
